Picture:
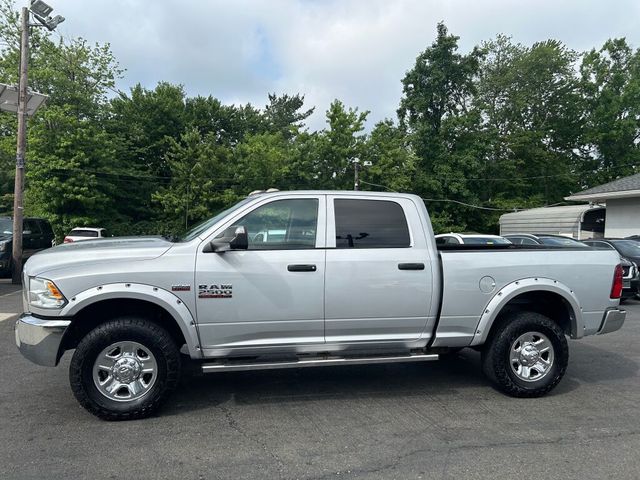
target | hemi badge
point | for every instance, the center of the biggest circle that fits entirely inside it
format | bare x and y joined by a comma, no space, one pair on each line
180,288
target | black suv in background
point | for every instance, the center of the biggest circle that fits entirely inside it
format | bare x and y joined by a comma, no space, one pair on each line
37,236
628,250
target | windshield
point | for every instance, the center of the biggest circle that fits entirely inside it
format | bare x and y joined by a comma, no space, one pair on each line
486,241
83,233
6,226
562,242
628,248
202,227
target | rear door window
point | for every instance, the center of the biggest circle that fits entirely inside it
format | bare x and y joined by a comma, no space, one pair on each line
370,224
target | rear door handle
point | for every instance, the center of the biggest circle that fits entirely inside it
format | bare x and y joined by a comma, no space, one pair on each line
411,266
302,268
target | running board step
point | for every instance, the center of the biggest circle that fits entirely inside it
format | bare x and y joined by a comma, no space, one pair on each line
314,362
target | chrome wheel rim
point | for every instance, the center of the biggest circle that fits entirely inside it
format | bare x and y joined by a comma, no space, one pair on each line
531,356
125,371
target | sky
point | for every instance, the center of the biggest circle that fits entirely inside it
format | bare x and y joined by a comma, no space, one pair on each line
353,50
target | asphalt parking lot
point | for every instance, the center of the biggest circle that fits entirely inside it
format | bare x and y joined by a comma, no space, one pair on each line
398,421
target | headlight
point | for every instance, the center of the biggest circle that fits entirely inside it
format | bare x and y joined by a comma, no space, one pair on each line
3,246
44,294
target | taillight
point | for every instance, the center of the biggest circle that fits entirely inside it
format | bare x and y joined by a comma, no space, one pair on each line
616,288
68,240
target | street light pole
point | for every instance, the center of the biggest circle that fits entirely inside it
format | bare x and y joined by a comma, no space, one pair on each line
26,104
16,255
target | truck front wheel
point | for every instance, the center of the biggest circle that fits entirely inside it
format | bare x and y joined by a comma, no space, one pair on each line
527,356
124,369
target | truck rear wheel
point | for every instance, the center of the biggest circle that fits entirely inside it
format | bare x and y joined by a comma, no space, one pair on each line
527,356
124,369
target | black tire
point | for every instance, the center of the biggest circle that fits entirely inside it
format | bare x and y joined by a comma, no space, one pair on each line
496,363
125,329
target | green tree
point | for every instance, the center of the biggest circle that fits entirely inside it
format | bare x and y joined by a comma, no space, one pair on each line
436,112
199,183
68,173
531,111
393,162
337,146
283,114
610,86
67,144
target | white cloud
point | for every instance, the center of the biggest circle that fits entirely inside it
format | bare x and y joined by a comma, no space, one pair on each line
354,50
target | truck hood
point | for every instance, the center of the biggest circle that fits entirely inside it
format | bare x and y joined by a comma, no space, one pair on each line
96,251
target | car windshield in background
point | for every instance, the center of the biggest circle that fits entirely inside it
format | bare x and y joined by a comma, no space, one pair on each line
6,226
84,233
628,248
486,241
562,242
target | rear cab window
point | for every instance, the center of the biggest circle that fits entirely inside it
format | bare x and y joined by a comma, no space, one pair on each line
361,223
32,226
46,227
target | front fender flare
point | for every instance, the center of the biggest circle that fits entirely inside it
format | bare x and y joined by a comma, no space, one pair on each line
163,298
512,290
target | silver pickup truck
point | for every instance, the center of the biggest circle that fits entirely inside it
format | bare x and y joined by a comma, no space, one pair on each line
301,279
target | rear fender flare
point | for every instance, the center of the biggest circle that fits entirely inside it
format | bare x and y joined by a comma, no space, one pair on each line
518,287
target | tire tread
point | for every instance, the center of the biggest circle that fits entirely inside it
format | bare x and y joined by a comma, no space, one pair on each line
111,331
497,370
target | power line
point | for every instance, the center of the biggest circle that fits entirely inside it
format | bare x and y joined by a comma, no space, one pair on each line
479,207
376,185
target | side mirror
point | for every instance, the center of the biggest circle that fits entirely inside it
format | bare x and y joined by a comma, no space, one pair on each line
233,238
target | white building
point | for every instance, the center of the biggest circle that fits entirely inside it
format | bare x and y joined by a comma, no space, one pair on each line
622,198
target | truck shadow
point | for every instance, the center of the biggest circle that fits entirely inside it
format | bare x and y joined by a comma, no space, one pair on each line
459,375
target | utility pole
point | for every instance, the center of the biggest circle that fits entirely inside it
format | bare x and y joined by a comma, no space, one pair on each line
356,174
16,255
41,12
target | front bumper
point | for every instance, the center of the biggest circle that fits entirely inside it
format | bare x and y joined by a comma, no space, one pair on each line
613,320
39,339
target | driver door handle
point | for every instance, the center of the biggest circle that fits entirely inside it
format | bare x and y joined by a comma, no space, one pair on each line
411,266
302,268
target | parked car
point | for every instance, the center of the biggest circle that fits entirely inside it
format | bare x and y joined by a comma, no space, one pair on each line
543,239
37,235
629,250
355,278
79,234
470,239
630,279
